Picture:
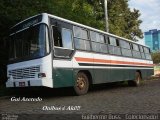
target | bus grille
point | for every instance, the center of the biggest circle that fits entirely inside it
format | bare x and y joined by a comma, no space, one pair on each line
23,73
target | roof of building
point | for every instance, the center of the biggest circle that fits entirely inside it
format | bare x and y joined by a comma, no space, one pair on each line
153,31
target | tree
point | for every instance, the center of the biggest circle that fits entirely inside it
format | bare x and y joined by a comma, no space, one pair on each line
132,28
123,21
156,57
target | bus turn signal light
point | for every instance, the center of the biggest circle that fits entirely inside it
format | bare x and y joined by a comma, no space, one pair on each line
41,75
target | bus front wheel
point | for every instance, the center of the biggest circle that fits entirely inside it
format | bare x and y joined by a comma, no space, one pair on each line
81,84
136,81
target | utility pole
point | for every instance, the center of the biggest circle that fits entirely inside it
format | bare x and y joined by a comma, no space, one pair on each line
106,15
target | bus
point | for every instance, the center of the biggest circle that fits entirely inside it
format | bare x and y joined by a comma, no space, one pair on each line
50,51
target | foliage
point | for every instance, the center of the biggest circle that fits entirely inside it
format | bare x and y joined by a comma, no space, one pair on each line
122,21
156,57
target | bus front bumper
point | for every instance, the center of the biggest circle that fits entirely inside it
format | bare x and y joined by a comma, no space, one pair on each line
28,83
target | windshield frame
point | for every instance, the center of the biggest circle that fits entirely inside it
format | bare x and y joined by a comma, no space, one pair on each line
26,58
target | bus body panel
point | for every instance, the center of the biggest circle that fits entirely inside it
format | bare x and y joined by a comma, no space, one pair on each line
28,71
65,71
63,77
104,72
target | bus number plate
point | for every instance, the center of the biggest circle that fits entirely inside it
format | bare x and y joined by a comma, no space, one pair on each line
21,84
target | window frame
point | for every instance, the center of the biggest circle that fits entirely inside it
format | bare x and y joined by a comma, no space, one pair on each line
125,45
97,34
83,29
111,42
63,28
145,50
61,37
47,34
75,38
84,44
137,46
141,48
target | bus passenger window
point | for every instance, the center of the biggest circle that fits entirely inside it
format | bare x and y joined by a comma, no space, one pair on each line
112,41
117,42
135,47
141,49
80,33
62,38
67,38
97,37
57,36
146,50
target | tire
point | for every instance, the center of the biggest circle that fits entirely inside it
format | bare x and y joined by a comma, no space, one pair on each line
137,80
82,84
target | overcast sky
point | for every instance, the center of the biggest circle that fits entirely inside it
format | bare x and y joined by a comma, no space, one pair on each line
150,13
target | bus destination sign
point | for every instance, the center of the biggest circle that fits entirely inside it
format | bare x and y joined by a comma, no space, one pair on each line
30,23
27,23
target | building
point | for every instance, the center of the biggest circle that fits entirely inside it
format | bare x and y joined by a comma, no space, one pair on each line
152,39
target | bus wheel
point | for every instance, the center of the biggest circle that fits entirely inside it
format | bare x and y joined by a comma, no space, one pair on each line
137,80
81,84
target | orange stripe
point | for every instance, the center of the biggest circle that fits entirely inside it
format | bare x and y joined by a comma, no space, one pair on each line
80,59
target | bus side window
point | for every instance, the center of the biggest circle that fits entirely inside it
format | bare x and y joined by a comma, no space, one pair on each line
67,38
114,46
147,53
125,48
112,41
141,49
142,52
117,42
62,38
136,51
135,47
57,36
107,40
81,38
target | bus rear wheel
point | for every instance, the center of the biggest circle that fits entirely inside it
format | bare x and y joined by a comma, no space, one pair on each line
136,81
81,84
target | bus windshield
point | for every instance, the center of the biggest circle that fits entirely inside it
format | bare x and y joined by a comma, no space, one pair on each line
29,44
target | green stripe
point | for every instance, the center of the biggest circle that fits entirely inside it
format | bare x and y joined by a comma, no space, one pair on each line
62,77
65,77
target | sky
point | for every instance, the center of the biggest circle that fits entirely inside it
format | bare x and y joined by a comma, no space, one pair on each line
150,13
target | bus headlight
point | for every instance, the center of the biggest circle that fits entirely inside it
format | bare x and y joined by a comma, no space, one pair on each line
41,75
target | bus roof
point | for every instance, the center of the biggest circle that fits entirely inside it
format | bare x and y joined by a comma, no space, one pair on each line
91,28
77,24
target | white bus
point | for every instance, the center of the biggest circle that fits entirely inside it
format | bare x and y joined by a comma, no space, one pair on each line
46,50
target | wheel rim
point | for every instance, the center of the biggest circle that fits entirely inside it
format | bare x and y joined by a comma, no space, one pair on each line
81,82
138,80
